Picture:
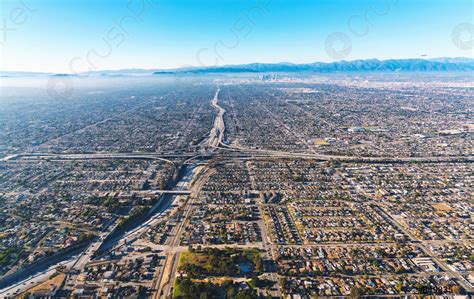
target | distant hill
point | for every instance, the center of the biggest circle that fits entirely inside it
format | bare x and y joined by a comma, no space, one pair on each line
371,65
23,74
443,64
453,60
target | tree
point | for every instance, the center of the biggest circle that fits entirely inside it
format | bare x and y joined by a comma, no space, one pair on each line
231,292
399,287
283,282
420,288
456,289
146,185
376,263
258,263
255,282
356,292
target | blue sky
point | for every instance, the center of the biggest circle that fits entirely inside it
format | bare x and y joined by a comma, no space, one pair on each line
73,36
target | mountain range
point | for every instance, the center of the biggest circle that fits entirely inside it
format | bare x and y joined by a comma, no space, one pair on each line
444,64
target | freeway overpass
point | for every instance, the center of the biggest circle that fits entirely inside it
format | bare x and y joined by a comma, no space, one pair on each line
236,153
173,192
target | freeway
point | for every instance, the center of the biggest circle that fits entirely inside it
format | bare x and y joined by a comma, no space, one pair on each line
262,153
164,278
92,156
240,152
177,192
216,135
75,264
154,216
34,280
7,158
105,245
85,257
